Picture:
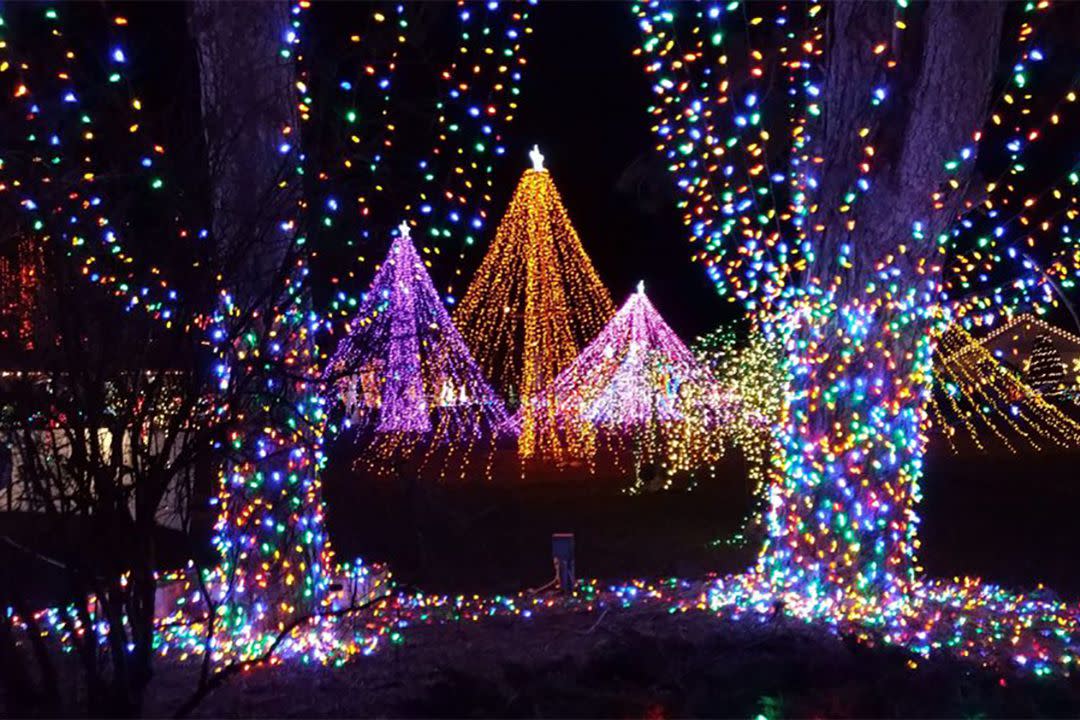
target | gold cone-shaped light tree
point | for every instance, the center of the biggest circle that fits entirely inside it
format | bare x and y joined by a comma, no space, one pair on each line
535,301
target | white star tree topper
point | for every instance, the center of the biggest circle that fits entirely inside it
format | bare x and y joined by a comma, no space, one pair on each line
537,158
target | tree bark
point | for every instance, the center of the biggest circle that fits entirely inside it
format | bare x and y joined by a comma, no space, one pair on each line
247,97
274,553
842,522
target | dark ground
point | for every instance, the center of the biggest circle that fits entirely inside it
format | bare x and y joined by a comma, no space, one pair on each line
636,663
1008,519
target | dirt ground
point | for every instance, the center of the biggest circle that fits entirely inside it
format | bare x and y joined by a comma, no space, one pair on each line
631,663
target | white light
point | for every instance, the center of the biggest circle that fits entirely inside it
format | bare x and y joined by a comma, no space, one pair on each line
537,158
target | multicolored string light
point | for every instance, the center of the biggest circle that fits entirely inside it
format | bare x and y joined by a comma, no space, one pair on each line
448,188
481,97
776,220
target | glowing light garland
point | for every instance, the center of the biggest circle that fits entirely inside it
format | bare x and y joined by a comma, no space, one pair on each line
362,129
981,394
534,302
57,164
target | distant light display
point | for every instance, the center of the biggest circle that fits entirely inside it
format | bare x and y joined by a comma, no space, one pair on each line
978,394
637,382
753,372
403,370
533,304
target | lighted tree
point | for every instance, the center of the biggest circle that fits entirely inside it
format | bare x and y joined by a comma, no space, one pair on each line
637,382
403,368
837,224
1045,368
87,164
534,302
752,371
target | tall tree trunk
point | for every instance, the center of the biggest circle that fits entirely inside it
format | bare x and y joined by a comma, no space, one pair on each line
269,533
842,524
247,96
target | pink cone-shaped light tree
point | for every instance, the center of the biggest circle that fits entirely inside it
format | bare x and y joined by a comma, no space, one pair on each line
637,381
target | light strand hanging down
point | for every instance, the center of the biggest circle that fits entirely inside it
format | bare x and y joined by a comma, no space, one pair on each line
404,373
533,303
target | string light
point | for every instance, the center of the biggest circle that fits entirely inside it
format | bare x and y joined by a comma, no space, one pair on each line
481,96
755,374
636,381
403,370
448,187
534,302
982,394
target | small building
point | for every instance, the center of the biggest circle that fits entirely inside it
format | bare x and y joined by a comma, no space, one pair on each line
1014,342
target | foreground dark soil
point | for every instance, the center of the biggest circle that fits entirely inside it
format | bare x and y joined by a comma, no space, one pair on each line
636,663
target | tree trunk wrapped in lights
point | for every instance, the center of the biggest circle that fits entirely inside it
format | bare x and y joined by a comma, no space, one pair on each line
535,301
275,561
838,227
842,519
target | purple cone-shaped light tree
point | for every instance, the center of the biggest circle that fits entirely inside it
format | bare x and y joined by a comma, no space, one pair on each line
404,369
